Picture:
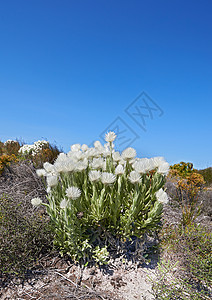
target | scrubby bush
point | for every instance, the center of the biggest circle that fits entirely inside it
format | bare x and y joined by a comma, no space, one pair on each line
39,152
207,174
96,196
11,147
189,275
188,185
24,238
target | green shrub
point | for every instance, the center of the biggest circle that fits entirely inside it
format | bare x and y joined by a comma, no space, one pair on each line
191,249
23,238
96,196
207,174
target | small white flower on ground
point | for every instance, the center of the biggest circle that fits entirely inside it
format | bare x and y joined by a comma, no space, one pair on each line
63,203
119,170
52,181
128,153
41,172
94,175
134,177
110,136
162,196
36,201
108,178
73,192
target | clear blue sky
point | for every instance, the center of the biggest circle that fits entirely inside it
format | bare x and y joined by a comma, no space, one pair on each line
69,69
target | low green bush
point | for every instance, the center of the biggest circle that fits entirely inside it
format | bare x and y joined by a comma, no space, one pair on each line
189,276
207,174
23,238
97,196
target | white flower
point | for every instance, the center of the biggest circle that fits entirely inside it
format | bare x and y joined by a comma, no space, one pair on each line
76,156
61,157
132,161
106,153
99,150
97,163
97,144
68,166
94,175
134,177
52,180
144,165
119,170
48,167
41,172
128,153
33,149
163,168
84,147
81,165
122,162
158,160
59,166
90,153
36,201
75,147
110,136
63,203
73,192
48,190
162,196
108,178
116,156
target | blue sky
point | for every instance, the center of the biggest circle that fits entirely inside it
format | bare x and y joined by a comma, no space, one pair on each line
69,69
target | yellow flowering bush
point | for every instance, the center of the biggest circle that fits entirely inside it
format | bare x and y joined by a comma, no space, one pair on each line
188,183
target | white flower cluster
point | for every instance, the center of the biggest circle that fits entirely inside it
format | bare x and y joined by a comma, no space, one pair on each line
94,160
9,142
144,165
33,149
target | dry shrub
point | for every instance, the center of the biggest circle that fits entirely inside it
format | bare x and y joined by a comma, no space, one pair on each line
24,231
